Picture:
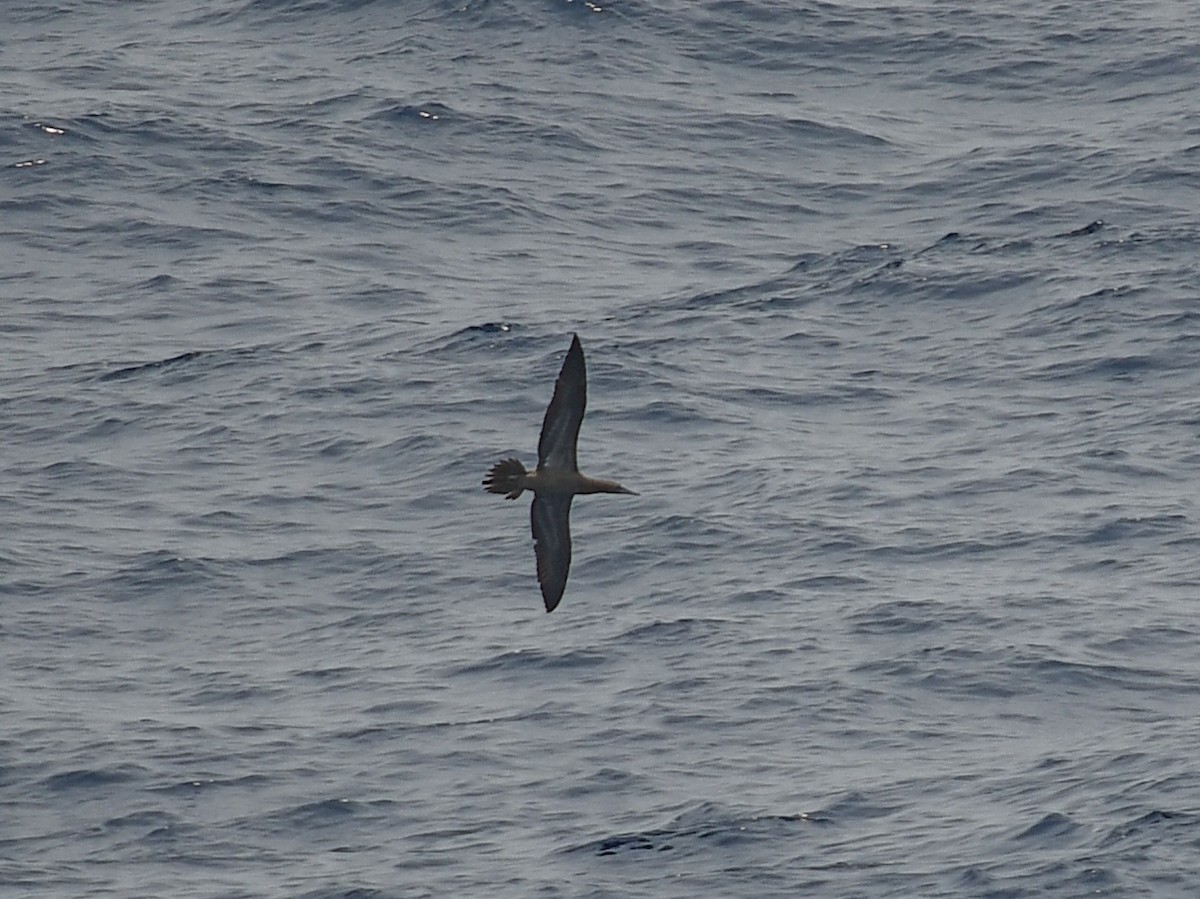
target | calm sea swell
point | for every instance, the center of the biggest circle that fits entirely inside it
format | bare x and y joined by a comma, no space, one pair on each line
890,318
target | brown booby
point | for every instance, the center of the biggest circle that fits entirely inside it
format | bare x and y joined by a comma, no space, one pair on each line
557,478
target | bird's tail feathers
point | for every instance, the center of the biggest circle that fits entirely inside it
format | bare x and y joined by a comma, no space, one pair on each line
505,477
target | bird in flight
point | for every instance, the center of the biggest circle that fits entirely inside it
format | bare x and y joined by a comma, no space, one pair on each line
557,478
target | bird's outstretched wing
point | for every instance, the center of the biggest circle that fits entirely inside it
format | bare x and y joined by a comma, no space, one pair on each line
551,518
560,428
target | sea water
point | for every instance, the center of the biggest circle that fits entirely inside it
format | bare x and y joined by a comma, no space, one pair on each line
891,317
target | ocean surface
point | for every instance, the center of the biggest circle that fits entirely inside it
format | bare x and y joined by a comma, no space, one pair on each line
892,317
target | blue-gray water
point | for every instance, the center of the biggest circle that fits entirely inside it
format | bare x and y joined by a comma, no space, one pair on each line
892,317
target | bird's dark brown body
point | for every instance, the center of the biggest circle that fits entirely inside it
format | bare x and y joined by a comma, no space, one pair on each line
556,480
